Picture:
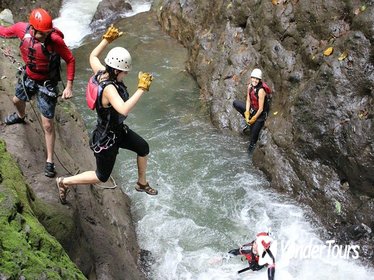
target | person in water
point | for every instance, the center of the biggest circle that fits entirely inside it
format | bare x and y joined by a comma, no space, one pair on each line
256,108
112,105
42,46
258,253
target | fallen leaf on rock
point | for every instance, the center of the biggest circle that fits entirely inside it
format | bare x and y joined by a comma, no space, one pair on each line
275,2
275,113
328,51
3,77
338,207
235,78
359,10
363,115
343,55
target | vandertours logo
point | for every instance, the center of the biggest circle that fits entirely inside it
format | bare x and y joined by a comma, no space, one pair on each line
315,250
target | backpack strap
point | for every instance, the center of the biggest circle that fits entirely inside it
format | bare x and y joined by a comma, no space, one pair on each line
101,88
99,103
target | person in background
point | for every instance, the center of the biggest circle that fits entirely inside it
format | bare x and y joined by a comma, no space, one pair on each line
107,93
259,254
42,46
256,107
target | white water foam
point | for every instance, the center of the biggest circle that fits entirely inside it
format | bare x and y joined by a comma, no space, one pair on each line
75,18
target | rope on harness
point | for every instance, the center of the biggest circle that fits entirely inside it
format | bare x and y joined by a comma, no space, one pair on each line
107,187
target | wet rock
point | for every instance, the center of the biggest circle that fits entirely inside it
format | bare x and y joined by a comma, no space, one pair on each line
108,11
146,261
22,8
356,232
6,16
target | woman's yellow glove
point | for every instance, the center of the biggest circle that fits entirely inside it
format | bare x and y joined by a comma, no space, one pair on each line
145,80
112,33
247,115
252,120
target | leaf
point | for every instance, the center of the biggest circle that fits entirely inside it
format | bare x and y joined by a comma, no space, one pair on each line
343,55
328,51
275,2
338,207
275,113
363,114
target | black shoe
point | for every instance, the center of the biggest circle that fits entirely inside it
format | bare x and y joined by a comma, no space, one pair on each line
13,119
247,129
49,170
251,148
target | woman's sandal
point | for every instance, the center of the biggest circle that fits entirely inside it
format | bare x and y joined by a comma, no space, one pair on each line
13,119
146,188
62,190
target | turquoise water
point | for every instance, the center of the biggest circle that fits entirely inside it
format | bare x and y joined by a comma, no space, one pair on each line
211,199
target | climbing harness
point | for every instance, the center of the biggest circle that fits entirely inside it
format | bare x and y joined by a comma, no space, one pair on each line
105,142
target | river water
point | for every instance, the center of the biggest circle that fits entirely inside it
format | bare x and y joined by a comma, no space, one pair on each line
211,199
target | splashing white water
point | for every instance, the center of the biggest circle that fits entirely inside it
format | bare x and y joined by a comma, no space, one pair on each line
75,18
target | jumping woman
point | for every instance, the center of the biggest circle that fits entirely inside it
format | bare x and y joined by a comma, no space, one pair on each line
108,95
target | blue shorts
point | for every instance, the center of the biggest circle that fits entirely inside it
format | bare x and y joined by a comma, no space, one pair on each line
46,95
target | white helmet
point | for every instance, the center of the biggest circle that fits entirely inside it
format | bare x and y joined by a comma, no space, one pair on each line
119,58
256,73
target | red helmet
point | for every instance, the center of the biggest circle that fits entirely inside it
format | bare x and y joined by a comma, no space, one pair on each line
41,20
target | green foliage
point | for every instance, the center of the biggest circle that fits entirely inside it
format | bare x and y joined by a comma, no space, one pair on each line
26,248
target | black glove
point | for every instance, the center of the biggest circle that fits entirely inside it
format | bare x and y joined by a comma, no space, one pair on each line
234,252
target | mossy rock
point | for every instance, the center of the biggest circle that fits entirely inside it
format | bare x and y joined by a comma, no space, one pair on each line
27,250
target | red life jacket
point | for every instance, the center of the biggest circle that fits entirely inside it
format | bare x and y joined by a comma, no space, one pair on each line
40,57
253,94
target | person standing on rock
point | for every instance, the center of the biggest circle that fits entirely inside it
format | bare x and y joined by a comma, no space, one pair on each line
107,94
42,46
256,107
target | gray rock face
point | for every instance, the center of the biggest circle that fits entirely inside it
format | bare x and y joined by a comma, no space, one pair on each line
21,8
317,144
108,11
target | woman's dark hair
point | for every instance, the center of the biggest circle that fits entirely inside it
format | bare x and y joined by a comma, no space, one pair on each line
111,72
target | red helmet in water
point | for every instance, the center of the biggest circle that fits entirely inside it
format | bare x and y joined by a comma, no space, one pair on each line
41,20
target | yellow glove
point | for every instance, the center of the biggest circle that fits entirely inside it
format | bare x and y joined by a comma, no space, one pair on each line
145,80
247,115
112,33
252,120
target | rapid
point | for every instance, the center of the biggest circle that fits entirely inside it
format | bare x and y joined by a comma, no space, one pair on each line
211,198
